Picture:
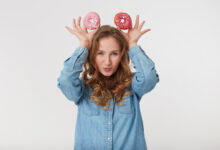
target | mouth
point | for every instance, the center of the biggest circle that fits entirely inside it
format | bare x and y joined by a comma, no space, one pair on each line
107,69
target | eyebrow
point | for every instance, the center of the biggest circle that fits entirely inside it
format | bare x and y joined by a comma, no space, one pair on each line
112,50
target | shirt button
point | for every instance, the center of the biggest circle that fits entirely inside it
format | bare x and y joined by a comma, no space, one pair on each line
109,138
109,122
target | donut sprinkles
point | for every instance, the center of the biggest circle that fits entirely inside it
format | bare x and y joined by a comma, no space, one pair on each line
123,20
91,20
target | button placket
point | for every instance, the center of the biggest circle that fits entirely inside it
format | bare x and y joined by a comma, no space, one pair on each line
109,126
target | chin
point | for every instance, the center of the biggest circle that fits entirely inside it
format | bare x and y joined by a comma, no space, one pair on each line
107,74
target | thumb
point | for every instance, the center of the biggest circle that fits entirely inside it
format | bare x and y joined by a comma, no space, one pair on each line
94,31
118,28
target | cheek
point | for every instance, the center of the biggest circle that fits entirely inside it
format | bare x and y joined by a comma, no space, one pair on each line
116,61
98,61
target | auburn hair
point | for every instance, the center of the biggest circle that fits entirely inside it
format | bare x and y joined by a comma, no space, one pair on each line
105,88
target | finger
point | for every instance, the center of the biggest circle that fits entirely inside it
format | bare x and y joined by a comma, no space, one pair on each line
78,22
97,28
69,29
94,31
74,24
129,29
122,32
99,25
118,28
136,22
85,29
141,25
146,30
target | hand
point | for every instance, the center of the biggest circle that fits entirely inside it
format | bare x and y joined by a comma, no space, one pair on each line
82,34
134,33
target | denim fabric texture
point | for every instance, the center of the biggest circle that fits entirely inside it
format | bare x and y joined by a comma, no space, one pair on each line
120,128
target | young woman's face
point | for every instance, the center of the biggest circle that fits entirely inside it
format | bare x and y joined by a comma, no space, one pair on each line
108,56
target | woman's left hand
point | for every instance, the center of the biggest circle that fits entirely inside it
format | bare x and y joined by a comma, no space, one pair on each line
134,33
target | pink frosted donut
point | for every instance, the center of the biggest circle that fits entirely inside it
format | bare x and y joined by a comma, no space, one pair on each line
91,20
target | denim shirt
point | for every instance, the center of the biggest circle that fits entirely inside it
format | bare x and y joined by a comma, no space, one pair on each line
121,127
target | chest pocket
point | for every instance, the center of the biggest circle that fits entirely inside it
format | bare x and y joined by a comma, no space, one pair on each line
89,107
128,108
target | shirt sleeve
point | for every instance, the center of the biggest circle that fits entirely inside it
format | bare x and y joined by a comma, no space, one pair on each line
69,82
145,78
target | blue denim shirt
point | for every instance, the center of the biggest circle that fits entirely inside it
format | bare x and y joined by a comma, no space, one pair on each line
120,128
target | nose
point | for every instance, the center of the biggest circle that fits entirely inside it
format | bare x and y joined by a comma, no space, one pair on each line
107,60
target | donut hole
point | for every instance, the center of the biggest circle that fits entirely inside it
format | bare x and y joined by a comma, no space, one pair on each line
91,20
122,20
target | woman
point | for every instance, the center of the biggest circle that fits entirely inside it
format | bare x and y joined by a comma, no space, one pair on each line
108,94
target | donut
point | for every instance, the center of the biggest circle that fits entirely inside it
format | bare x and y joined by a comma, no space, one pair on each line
91,20
123,21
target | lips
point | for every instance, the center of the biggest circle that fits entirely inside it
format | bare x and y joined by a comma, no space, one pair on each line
107,69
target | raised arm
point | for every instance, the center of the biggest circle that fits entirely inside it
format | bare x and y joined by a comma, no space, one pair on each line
145,78
69,82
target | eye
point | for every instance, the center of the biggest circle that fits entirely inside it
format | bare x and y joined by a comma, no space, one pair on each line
100,53
115,53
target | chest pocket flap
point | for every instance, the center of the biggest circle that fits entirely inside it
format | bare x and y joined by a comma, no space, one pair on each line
89,107
128,107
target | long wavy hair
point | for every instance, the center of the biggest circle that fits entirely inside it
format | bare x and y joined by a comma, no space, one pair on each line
105,88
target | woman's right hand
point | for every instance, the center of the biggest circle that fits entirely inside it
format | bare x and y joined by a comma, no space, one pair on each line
82,34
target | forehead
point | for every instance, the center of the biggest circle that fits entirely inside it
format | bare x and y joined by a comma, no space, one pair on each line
108,44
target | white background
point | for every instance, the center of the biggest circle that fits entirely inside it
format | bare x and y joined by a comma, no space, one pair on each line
182,112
